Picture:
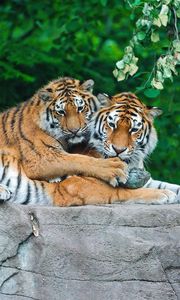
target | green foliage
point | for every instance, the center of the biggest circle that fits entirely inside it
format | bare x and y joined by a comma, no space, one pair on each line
42,40
154,14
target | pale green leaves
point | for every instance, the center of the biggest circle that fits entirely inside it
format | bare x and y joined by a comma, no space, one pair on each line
127,66
156,84
157,22
165,69
155,37
120,64
155,16
162,17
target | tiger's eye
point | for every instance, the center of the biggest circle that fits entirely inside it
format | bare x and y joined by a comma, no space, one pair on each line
134,129
80,108
61,112
112,125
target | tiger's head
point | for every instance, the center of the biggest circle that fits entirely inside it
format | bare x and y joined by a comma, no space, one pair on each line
125,129
68,105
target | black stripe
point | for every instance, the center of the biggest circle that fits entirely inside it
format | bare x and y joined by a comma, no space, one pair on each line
50,146
42,184
100,122
19,179
8,182
22,135
119,110
93,103
4,120
148,135
13,117
59,89
133,114
37,102
5,172
2,159
29,104
159,186
178,190
47,114
28,193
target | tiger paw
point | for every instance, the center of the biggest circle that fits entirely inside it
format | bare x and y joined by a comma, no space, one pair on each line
5,193
112,170
165,197
137,178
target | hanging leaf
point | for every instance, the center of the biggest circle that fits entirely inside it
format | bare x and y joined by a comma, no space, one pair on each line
141,35
159,76
133,69
120,64
156,84
151,93
167,73
164,19
154,37
121,76
157,22
164,10
115,73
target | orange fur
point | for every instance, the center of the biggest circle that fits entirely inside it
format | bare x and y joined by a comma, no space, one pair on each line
78,190
42,155
29,149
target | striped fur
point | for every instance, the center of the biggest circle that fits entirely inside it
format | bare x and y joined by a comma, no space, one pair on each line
17,187
162,185
36,137
125,129
35,149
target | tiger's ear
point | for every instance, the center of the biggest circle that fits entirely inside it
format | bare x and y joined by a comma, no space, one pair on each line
88,85
154,111
104,99
45,94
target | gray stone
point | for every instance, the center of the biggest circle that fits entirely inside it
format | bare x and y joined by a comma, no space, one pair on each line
137,178
118,252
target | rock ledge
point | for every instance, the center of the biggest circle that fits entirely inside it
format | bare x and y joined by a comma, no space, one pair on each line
113,252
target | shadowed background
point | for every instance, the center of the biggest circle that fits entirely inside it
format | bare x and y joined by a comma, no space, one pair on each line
43,40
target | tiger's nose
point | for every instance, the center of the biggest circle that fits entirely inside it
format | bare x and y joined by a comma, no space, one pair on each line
119,150
74,130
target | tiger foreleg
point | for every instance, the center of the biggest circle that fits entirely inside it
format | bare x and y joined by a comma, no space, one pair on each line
111,170
77,190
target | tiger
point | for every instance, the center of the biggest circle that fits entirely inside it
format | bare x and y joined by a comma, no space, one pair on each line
74,190
36,137
124,128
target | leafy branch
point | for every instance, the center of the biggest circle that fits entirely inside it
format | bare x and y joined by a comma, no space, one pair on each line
155,16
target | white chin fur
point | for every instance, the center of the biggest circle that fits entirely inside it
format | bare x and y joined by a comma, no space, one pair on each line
76,140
